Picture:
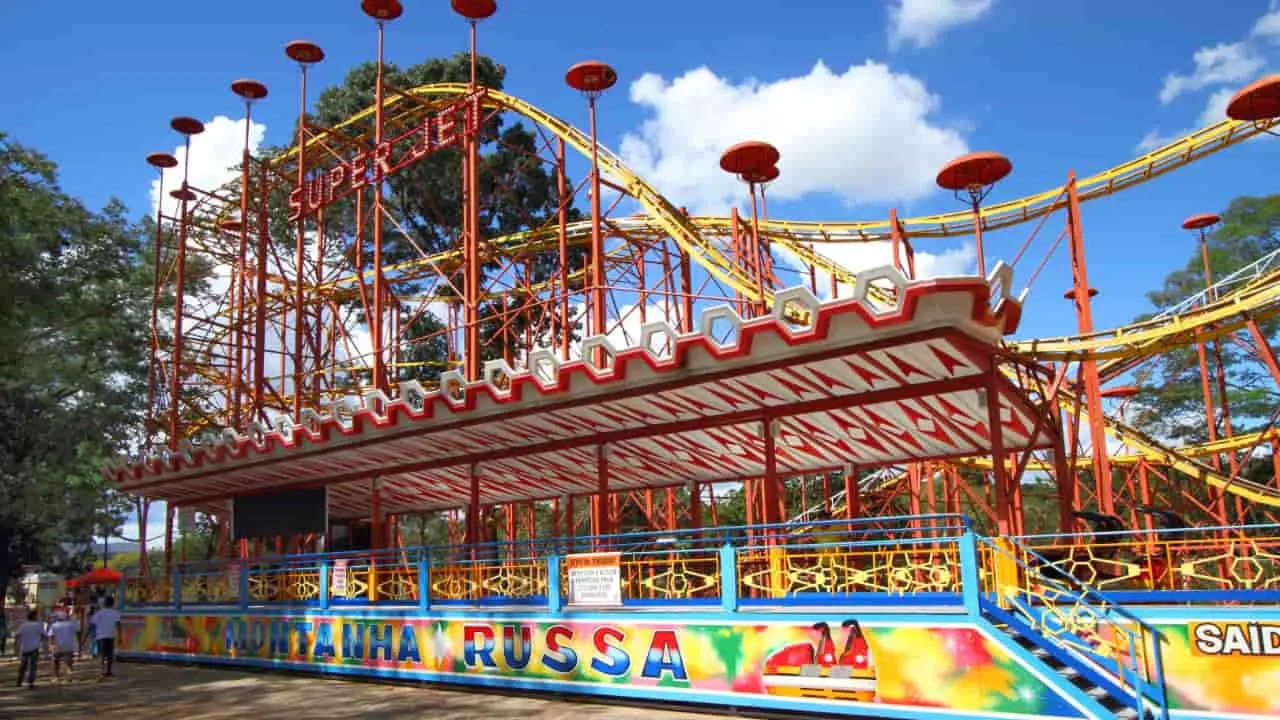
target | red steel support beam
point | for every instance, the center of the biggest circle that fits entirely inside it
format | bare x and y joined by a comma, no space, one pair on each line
598,318
772,495
300,319
1089,366
600,521
180,269
1004,520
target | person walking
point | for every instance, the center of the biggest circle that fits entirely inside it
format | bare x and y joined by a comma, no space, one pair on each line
89,632
106,624
29,636
66,639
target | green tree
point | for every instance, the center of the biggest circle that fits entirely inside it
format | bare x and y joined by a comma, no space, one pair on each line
74,303
517,192
1172,401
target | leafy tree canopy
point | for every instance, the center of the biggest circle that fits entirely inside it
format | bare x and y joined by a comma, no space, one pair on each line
74,303
1172,401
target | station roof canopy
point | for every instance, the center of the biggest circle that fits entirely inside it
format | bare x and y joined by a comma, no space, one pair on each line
849,381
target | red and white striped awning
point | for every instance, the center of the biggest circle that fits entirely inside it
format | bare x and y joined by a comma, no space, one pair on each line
855,383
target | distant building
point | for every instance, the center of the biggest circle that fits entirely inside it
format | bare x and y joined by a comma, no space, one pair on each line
41,589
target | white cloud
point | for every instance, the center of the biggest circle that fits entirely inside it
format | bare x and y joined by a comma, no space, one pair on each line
949,262
865,135
1156,139
955,261
922,21
214,155
1222,63
1231,64
1215,109
129,531
1268,26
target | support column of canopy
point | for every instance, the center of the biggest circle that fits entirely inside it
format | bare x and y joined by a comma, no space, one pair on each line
695,505
471,533
852,498
772,494
999,471
601,520
376,533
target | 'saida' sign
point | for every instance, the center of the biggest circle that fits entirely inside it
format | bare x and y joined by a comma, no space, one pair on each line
1258,639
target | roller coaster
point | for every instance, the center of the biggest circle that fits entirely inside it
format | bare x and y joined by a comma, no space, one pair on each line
573,385
659,261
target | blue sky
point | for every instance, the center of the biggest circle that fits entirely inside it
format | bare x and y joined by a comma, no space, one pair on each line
1055,86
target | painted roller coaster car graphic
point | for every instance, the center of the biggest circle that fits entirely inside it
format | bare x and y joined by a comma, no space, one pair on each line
815,670
173,637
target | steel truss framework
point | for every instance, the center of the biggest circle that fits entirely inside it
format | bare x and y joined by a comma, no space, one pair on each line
314,323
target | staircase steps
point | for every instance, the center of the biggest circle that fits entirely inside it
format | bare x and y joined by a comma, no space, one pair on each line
1119,707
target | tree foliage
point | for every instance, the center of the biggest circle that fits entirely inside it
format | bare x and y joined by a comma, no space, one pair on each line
518,190
1171,405
74,299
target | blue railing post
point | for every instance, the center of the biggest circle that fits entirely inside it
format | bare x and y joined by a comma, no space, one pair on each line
424,581
324,585
1139,686
728,577
1159,670
177,587
970,589
244,585
555,601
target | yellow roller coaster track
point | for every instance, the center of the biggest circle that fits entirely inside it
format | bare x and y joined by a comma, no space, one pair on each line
1143,448
1153,450
1141,445
1235,443
663,218
1258,299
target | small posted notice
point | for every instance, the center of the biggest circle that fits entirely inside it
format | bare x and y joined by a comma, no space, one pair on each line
595,579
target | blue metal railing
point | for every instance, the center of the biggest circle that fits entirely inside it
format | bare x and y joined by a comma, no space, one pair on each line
1172,565
1188,571
741,566
525,571
1077,619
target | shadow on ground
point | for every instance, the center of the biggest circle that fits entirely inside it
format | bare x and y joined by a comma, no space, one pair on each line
212,693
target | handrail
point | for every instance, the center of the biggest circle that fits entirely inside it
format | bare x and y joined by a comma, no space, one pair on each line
1125,534
529,570
1253,270
931,525
1079,593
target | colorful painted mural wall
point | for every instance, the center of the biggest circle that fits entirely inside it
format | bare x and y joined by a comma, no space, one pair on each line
941,666
1223,667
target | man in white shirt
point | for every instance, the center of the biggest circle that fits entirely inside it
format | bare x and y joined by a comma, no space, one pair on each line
105,624
66,632
29,635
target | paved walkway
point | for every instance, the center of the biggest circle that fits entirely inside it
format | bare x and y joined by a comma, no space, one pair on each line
190,692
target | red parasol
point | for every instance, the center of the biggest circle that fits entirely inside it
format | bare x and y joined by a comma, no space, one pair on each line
97,576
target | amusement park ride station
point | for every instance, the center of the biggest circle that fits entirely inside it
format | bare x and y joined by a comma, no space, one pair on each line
910,588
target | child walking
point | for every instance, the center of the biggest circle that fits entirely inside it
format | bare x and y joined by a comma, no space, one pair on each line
66,632
105,624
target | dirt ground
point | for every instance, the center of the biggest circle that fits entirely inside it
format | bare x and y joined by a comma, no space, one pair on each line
191,692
